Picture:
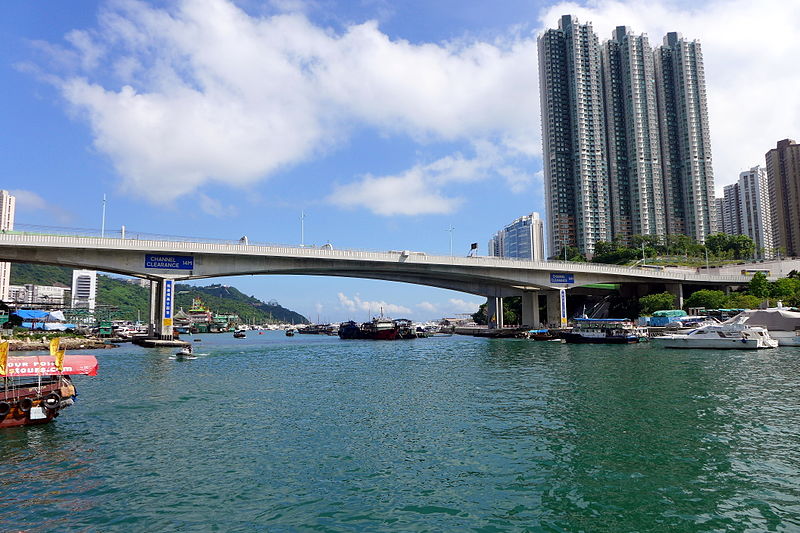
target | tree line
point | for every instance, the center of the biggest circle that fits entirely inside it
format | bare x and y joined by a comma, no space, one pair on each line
678,248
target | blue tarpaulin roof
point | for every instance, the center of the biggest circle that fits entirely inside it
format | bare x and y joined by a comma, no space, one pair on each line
32,314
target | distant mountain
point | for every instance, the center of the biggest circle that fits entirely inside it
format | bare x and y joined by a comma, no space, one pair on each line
133,301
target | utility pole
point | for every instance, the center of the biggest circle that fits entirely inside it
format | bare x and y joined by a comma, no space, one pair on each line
451,229
302,228
103,223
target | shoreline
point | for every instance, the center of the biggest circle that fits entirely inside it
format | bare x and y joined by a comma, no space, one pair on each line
69,343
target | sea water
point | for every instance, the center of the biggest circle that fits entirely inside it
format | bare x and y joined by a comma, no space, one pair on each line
271,433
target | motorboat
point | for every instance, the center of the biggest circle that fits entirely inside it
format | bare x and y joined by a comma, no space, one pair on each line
783,324
735,334
185,353
239,334
604,331
34,391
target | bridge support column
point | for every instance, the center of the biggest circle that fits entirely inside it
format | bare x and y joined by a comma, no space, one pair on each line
161,298
553,309
530,309
677,290
494,312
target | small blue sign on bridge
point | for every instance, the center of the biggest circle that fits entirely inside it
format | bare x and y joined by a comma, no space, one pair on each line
169,262
561,277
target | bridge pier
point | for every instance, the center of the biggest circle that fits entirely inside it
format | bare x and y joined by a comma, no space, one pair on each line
494,312
161,299
554,308
530,309
677,290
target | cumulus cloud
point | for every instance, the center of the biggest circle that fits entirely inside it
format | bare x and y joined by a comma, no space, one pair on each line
29,201
355,304
427,307
204,92
749,49
457,305
421,190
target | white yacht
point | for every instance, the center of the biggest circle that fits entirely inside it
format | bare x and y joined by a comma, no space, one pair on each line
734,334
783,324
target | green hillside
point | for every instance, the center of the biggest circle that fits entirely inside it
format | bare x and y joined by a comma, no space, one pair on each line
132,301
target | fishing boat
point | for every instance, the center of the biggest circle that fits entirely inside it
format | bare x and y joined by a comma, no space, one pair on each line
734,334
33,391
604,331
350,330
380,329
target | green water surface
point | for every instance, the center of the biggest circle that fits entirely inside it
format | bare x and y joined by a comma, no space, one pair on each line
311,433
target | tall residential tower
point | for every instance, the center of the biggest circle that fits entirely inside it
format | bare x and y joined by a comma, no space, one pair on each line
626,147
783,172
573,134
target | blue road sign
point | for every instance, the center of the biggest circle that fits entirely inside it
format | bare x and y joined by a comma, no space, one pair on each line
169,262
168,298
560,277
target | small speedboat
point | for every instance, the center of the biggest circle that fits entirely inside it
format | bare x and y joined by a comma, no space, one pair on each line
185,353
239,334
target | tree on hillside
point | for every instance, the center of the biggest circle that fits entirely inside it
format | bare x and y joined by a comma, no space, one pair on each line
573,254
759,286
656,302
739,300
707,299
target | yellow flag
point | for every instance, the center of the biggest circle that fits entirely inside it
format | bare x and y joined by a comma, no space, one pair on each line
3,357
60,360
54,345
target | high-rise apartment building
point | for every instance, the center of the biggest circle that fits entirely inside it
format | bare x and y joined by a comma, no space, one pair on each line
746,210
755,210
685,138
731,214
573,134
631,110
7,205
783,173
718,208
626,146
84,288
522,239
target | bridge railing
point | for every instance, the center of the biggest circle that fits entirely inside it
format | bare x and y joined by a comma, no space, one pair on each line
126,239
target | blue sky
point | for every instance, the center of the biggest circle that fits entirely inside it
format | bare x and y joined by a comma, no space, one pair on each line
385,122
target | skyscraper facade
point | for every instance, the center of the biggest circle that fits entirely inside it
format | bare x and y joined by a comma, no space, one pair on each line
636,184
84,289
746,210
685,137
628,155
783,174
755,210
522,239
731,214
573,133
7,206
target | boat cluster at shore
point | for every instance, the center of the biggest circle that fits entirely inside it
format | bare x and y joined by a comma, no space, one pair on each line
748,330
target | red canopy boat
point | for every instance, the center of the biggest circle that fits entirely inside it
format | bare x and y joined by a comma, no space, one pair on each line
33,390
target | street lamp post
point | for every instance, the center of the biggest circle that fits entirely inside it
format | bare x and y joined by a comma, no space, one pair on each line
450,229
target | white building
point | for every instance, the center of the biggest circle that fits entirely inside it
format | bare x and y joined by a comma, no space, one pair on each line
37,294
755,213
84,288
7,203
522,239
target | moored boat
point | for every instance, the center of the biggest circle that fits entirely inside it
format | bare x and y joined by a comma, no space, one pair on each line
380,329
734,334
604,331
783,324
33,391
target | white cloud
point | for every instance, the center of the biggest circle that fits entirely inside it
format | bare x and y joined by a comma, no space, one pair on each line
355,304
422,189
457,305
427,307
750,53
27,201
207,93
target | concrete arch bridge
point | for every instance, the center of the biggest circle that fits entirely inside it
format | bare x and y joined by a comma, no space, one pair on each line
165,262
